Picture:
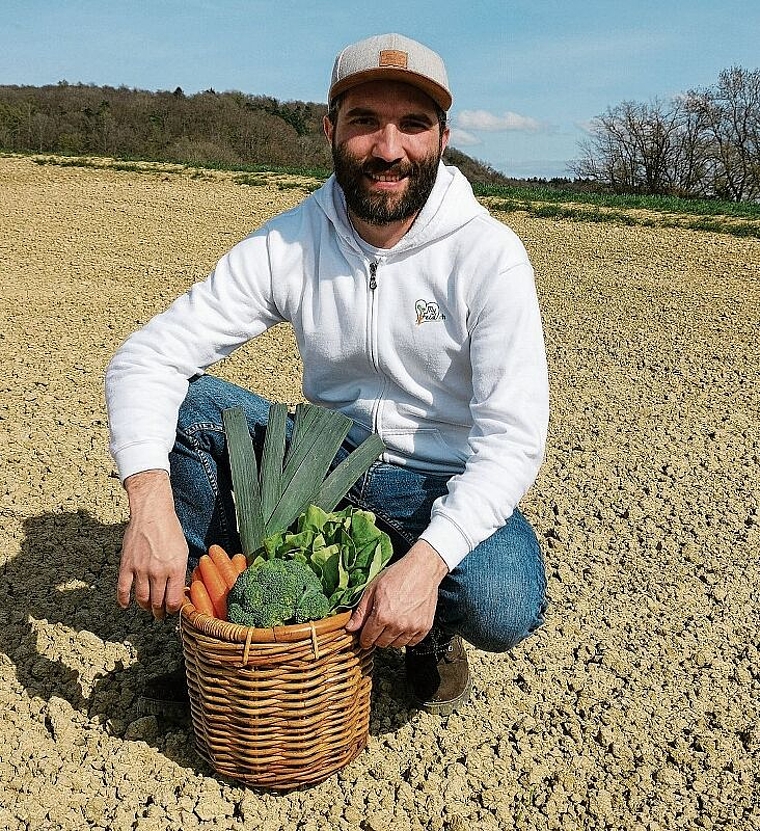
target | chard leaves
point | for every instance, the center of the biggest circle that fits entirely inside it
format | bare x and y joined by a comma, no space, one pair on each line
344,548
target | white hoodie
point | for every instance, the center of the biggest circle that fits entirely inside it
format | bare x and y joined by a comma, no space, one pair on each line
434,344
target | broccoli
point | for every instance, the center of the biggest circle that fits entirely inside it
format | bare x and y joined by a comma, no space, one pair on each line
275,592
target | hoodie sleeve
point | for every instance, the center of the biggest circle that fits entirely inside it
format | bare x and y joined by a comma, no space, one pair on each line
147,379
510,413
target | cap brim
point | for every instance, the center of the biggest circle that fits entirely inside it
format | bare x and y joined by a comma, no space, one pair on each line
441,96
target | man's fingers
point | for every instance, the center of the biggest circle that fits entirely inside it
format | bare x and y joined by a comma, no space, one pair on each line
361,612
158,596
376,632
142,592
124,588
175,594
417,639
403,640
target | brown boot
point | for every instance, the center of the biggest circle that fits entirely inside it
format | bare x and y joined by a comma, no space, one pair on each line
437,673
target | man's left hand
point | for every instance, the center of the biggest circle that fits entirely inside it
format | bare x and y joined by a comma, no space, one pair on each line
398,606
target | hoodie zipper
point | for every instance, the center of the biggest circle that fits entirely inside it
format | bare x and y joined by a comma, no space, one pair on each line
372,335
372,328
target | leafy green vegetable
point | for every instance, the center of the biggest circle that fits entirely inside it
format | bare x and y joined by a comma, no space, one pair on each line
344,548
285,512
245,479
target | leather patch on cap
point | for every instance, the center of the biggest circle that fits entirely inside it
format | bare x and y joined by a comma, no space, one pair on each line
393,57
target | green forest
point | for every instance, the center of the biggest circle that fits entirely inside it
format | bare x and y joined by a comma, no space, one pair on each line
216,129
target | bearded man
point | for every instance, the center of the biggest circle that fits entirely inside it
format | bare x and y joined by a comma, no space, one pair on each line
415,314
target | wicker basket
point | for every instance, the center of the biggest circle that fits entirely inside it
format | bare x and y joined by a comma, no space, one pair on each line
276,708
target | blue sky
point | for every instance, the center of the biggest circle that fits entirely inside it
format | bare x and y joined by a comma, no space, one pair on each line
526,75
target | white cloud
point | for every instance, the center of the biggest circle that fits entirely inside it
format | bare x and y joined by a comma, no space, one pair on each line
461,138
488,122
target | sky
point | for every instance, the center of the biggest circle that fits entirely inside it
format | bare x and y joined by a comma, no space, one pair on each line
527,76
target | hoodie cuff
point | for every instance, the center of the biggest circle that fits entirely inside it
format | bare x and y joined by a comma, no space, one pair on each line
139,457
447,539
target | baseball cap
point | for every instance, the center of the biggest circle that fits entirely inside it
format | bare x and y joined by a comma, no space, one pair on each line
391,57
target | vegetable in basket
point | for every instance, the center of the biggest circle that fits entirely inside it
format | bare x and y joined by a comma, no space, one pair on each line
344,550
212,579
275,592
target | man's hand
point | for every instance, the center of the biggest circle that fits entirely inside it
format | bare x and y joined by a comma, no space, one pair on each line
154,551
398,606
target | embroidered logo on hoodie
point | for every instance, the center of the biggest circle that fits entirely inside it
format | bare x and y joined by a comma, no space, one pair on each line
428,311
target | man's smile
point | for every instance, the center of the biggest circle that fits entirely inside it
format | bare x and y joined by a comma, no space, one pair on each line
386,177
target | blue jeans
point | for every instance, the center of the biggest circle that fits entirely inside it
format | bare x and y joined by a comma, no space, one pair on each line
494,598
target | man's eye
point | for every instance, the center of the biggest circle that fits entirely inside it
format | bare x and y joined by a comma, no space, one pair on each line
416,126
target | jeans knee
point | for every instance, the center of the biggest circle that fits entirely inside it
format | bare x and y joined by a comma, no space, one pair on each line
495,615
496,597
511,630
502,628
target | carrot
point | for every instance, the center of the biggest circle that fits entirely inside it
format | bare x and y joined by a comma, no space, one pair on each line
223,562
215,585
196,575
200,598
240,563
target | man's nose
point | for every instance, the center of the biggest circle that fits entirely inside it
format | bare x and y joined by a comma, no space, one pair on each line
388,145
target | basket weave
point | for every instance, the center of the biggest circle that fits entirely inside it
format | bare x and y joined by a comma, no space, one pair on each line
276,708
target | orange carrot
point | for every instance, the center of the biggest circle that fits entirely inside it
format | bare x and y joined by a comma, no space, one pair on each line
215,585
200,598
196,575
240,563
223,562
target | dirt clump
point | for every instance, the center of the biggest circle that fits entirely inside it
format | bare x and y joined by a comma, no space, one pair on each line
635,707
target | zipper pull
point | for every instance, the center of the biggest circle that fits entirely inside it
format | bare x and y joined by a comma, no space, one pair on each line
373,276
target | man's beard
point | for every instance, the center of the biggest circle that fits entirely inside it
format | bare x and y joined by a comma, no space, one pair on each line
384,208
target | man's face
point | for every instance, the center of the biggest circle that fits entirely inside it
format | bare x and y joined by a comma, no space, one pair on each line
386,145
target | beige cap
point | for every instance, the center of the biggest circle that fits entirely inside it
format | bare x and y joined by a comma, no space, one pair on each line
394,58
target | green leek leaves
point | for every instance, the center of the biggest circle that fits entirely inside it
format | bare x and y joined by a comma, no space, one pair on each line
270,501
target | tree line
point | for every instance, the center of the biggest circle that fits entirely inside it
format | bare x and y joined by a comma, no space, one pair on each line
225,129
703,143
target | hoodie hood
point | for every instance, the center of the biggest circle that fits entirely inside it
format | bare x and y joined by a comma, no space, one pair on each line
451,205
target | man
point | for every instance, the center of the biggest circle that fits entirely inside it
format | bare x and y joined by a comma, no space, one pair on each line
415,314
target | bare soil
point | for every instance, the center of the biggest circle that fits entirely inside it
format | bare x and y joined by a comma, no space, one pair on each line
635,707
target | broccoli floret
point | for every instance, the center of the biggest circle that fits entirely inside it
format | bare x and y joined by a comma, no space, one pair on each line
312,605
275,592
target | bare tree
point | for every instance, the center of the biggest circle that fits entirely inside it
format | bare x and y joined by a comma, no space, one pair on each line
703,143
631,148
730,112
689,163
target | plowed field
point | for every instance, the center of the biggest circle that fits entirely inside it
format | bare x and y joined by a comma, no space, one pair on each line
635,707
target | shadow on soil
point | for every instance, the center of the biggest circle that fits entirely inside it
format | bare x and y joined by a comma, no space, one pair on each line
66,575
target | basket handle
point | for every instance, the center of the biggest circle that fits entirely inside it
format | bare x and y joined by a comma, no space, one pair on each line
314,641
247,646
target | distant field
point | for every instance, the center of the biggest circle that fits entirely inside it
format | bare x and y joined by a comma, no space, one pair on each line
741,219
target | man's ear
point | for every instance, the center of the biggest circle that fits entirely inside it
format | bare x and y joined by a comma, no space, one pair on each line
327,126
445,139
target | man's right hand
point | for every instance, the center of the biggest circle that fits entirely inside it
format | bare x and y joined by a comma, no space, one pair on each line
154,551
